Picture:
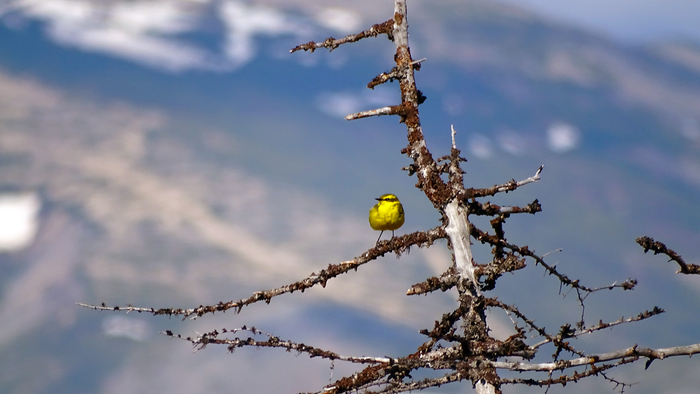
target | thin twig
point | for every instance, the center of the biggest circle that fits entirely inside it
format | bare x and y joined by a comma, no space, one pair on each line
506,187
648,243
632,352
397,245
211,338
331,43
374,112
601,325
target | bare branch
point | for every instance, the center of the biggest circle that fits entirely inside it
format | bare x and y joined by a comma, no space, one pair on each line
397,245
634,353
454,132
423,384
525,251
628,284
575,377
331,43
489,209
395,74
446,281
429,180
127,309
506,187
648,244
392,75
458,232
601,325
393,110
507,262
521,316
202,341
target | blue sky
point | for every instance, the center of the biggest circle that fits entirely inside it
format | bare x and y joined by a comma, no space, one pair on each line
631,21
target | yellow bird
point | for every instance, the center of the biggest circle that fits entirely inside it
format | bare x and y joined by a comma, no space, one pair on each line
386,215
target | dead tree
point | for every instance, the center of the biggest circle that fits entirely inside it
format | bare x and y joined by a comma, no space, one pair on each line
459,344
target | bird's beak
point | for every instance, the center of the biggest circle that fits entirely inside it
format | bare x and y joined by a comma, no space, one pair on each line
378,199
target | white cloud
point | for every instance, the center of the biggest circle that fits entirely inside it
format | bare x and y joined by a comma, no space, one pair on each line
142,32
146,49
338,104
127,327
18,220
340,19
58,11
511,142
690,170
244,22
562,137
453,104
690,129
480,146
42,294
149,32
668,166
153,16
344,103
